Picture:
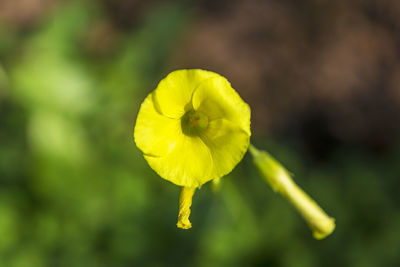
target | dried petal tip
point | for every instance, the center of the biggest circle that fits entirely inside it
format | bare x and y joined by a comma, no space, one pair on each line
185,201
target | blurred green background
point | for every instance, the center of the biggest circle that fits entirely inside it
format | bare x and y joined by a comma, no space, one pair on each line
323,82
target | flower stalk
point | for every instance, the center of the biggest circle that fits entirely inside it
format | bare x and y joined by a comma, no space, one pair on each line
279,179
185,202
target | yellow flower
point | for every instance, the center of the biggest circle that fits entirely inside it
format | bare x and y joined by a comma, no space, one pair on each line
192,128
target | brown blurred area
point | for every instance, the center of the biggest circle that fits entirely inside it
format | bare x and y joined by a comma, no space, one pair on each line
22,14
312,68
318,70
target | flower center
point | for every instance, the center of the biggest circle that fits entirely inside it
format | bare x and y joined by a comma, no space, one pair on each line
193,122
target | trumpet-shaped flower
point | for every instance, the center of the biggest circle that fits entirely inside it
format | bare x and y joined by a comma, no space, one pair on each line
192,128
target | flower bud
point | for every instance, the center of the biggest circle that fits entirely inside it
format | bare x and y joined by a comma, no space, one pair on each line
279,179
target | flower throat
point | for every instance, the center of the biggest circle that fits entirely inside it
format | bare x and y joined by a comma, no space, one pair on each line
194,122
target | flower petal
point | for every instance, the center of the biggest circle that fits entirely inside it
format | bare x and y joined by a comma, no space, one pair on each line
174,93
154,133
227,143
218,100
188,164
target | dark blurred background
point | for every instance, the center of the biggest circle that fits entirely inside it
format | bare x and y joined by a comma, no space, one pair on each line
323,82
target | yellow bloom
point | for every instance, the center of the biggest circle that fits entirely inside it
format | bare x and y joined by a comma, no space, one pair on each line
192,128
